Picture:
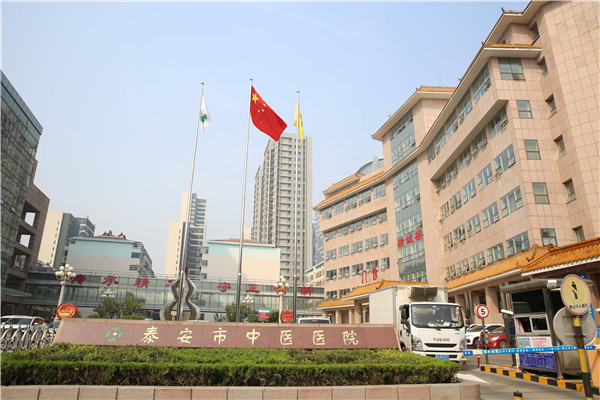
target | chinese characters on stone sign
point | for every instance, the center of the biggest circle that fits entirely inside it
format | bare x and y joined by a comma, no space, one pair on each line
418,235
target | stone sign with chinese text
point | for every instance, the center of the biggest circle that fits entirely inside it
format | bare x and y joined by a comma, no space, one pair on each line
111,332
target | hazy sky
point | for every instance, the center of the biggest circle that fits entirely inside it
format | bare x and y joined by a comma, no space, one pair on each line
116,87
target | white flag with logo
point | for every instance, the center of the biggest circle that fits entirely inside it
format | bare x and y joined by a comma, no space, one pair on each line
204,115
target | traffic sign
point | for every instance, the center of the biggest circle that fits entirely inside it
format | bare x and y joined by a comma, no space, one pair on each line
575,294
563,329
482,311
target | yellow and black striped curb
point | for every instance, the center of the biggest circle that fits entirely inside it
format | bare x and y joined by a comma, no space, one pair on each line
561,383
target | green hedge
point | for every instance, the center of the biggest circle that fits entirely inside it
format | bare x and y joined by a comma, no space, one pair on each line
132,365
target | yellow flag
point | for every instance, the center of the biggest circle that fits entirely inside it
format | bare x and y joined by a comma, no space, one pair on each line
298,123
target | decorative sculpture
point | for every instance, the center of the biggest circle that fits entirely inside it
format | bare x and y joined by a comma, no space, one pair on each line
165,313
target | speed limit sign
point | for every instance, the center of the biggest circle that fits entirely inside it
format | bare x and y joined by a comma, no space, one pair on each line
482,311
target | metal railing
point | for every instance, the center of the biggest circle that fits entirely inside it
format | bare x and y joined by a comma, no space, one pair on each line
22,337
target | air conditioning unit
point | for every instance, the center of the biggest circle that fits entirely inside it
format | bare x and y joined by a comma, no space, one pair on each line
498,171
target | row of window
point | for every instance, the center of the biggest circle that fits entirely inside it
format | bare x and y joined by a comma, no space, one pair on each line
479,87
514,245
509,203
357,269
402,139
505,160
357,247
354,201
497,123
356,226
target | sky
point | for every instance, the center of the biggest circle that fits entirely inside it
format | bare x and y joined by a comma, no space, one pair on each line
116,88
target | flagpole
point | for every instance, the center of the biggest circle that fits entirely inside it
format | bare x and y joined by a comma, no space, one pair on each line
296,205
183,261
239,277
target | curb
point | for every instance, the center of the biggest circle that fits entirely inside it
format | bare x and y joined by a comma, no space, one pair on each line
561,383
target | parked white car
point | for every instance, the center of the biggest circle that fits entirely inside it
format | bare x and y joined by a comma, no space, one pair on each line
314,320
21,321
472,335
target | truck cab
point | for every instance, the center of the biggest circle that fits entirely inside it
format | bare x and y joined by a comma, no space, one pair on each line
432,329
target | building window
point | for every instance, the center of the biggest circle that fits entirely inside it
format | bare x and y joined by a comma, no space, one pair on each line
338,208
481,84
330,254
382,217
495,253
490,215
517,244
511,69
524,109
560,143
473,226
469,190
543,66
459,234
133,267
579,233
356,247
548,236
343,251
331,275
351,203
532,149
385,263
551,105
331,295
371,265
344,292
370,243
505,160
344,272
357,269
448,244
370,221
540,193
379,191
570,190
135,255
498,122
511,202
485,177
477,260
464,107
326,213
455,202
383,239
364,197
535,33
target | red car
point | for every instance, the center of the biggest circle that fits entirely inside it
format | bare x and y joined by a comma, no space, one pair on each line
497,339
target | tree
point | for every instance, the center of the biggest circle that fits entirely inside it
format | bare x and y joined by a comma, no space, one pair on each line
132,306
246,313
274,315
108,307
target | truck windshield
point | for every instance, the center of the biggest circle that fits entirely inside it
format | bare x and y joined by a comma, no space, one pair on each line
436,316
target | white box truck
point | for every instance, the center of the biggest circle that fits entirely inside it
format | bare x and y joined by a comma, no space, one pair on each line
425,322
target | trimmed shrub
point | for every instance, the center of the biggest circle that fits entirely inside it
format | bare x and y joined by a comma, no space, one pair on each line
132,365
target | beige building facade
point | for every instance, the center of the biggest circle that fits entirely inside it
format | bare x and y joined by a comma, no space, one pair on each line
506,160
273,216
196,238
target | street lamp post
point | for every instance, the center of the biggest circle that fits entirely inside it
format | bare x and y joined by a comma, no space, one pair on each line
281,289
64,274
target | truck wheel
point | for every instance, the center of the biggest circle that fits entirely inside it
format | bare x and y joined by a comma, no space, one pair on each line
503,344
402,347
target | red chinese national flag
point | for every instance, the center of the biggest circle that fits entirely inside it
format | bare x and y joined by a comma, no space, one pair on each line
264,118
